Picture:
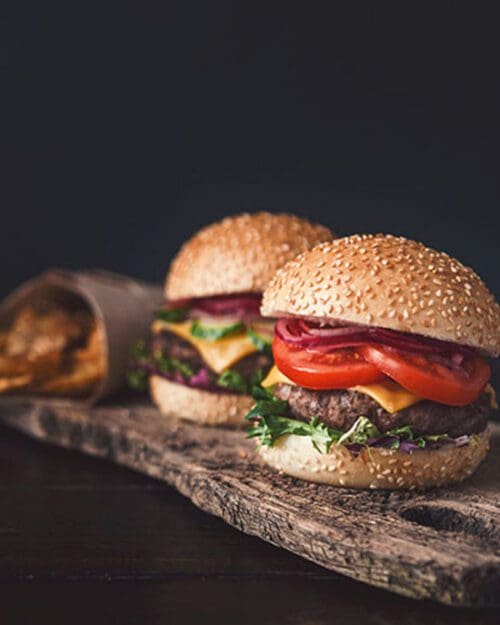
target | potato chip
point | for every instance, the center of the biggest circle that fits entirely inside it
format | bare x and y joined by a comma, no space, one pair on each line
51,351
82,379
37,367
94,347
16,382
39,333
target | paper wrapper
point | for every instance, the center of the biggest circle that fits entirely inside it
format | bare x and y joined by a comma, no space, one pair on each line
122,307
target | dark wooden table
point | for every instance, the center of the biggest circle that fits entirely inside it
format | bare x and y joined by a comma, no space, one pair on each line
85,541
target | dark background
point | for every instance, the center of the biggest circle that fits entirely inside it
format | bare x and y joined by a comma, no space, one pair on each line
127,128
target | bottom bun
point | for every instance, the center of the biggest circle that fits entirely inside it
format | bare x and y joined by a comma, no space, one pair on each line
375,467
185,402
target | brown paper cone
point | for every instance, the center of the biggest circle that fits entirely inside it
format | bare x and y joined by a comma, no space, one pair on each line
122,307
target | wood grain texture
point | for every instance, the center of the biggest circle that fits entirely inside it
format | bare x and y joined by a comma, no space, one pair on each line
443,545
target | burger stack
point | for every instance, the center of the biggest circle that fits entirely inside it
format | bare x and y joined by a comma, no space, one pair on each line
357,362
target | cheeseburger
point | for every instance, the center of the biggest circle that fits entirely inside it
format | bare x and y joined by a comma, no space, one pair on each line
209,344
380,376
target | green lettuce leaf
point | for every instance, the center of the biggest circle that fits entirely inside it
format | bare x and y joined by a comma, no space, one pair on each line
214,333
173,315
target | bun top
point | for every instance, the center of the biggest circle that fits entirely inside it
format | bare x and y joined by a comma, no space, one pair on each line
390,282
239,254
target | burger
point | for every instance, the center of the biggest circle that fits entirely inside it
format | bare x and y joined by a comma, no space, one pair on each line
209,344
380,377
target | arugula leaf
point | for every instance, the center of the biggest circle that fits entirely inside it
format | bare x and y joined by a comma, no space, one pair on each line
259,393
232,380
271,427
360,431
139,351
430,438
405,432
321,434
255,380
182,367
172,315
138,379
260,342
214,333
268,408
171,365
434,438
396,443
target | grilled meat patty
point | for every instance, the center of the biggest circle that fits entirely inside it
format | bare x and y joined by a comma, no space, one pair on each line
176,347
339,409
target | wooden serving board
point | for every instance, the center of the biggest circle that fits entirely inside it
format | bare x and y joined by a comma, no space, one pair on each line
443,544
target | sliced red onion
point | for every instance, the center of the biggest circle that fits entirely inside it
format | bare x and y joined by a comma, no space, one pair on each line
248,303
302,333
174,304
240,305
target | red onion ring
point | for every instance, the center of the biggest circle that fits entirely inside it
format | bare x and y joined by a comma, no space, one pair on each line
306,334
240,305
230,304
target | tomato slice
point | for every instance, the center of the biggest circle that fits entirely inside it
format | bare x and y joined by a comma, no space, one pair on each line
341,368
431,380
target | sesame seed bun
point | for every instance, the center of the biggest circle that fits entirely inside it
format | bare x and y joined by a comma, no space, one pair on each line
239,254
390,282
376,468
184,402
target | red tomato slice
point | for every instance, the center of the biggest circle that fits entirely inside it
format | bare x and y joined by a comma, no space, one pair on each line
429,379
341,368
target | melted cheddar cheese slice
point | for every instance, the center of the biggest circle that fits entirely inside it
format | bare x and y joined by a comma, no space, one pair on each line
390,395
275,377
219,355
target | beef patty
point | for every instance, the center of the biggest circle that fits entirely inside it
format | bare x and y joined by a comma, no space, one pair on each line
176,347
340,409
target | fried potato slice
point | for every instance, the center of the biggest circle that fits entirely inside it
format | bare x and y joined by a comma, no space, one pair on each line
94,348
52,351
16,382
37,367
82,379
34,332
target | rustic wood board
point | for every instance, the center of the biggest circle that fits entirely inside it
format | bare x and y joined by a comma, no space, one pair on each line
443,544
